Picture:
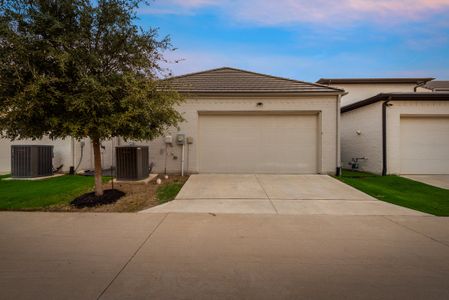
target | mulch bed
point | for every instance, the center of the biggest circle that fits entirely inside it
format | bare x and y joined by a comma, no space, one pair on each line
135,199
90,200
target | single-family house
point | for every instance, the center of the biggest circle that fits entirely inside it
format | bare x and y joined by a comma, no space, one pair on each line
395,130
245,122
236,121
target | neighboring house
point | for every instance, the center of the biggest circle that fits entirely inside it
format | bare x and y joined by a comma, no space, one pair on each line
391,128
245,122
363,88
398,133
238,122
434,86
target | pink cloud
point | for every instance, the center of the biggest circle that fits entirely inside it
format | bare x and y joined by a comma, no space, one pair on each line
194,3
407,8
274,12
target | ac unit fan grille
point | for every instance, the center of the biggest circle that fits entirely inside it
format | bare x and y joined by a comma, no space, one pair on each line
29,161
132,162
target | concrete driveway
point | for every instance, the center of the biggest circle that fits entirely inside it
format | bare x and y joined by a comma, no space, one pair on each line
441,181
202,256
275,194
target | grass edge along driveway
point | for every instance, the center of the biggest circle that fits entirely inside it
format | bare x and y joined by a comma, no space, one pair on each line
168,192
400,191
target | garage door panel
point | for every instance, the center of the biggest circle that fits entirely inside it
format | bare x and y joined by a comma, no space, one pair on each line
258,143
424,145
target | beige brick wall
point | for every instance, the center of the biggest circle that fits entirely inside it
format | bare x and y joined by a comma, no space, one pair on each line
357,92
325,104
368,121
62,153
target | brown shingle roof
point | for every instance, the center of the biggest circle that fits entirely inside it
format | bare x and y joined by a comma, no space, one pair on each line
437,85
230,80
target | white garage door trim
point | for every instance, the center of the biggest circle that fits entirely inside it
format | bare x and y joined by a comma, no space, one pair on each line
312,152
424,144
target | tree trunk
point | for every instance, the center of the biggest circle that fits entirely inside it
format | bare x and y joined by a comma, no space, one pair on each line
97,159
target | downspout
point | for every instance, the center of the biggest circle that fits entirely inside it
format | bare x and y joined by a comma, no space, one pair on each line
338,155
72,167
415,89
385,104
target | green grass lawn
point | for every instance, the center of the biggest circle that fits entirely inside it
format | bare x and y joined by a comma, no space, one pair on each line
37,194
400,191
168,192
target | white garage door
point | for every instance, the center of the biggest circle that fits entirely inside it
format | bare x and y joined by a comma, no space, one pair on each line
425,145
251,143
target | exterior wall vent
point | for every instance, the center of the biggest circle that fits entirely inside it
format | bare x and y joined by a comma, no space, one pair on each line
132,162
28,161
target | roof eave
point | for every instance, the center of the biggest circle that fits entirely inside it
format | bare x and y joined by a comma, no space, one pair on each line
330,81
397,97
261,93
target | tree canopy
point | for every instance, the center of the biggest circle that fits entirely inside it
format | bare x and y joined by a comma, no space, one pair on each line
83,69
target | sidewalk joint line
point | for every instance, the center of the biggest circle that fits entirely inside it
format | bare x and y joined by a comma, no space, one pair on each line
132,256
268,197
415,231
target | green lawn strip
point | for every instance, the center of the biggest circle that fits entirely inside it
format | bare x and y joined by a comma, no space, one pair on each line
400,191
36,194
168,192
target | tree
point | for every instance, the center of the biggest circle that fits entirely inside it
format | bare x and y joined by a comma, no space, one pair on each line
82,68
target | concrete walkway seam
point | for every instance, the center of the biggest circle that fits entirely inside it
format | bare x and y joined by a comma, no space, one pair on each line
132,256
417,232
268,197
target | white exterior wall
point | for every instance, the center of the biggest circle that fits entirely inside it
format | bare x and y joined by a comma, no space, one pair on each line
325,105
5,159
362,91
62,153
407,108
421,89
367,120
87,162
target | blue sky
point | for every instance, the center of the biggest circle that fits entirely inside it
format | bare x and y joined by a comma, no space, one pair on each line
307,39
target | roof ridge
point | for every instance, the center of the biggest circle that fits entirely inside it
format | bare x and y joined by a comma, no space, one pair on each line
284,78
256,73
196,73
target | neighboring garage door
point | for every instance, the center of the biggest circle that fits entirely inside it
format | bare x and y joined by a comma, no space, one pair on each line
254,143
425,145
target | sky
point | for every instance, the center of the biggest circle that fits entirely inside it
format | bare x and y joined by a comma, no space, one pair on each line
306,40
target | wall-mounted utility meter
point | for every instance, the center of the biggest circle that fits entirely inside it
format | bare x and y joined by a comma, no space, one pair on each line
180,139
168,139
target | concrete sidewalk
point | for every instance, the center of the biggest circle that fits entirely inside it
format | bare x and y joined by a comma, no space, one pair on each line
202,256
275,194
441,181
